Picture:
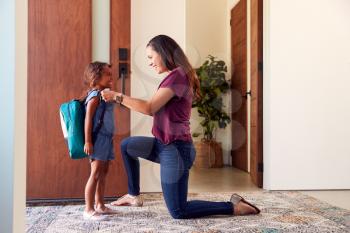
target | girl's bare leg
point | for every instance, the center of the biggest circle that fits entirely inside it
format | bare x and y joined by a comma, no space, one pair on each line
90,188
101,184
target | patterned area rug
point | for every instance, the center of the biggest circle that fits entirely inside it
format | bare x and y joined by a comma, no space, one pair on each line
281,212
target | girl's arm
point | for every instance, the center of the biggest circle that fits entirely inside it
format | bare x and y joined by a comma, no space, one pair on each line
150,107
90,112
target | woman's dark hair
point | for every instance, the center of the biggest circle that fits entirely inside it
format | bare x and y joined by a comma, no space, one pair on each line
93,72
173,56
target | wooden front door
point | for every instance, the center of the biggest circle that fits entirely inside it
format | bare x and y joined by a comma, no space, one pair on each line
256,128
239,85
60,34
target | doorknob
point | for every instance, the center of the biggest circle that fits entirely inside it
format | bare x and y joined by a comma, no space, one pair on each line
247,93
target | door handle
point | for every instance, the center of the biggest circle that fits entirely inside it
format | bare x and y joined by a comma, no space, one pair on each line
246,94
123,73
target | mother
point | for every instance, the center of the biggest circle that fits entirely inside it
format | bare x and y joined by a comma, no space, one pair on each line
171,145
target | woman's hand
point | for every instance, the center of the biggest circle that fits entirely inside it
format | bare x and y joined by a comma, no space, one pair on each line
159,99
88,148
109,96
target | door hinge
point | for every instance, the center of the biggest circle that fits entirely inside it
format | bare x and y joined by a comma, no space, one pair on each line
260,167
260,66
230,22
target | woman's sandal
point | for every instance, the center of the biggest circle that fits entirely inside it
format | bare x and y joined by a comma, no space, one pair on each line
235,199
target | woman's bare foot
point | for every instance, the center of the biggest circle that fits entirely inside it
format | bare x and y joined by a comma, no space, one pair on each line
128,200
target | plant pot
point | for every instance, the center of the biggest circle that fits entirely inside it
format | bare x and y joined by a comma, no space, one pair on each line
218,155
208,154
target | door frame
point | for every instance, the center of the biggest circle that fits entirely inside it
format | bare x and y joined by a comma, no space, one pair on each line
256,87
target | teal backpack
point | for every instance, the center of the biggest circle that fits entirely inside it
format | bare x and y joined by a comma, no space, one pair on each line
72,116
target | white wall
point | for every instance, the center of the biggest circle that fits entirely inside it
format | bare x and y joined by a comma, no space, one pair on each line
306,94
148,19
206,33
7,62
205,30
101,30
13,92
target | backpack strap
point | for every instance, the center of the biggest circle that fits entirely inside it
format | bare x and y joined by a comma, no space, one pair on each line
100,120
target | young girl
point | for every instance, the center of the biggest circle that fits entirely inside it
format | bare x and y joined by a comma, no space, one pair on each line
99,146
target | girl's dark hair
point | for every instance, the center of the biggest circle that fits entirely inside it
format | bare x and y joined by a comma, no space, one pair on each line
173,56
93,72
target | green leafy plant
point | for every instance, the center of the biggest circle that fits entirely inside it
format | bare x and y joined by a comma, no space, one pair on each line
212,87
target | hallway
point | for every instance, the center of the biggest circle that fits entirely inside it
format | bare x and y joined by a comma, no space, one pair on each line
229,179
226,179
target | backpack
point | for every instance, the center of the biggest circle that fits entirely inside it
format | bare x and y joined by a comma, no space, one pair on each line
72,116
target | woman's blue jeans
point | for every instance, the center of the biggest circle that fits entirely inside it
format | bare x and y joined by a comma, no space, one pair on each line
175,161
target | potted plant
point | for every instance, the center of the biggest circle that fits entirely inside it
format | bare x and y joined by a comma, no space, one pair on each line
213,85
